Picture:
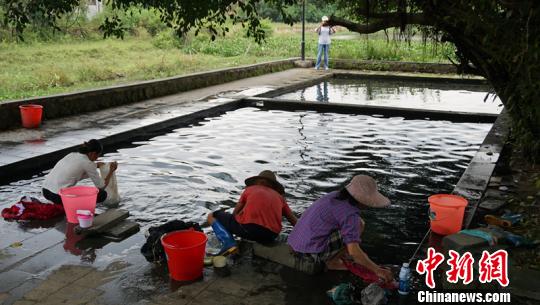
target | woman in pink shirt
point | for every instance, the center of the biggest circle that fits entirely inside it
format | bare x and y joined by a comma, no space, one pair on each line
258,214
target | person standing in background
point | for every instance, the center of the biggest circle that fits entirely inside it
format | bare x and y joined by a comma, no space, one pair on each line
324,31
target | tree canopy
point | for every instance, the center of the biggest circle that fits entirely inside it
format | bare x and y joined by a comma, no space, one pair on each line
497,39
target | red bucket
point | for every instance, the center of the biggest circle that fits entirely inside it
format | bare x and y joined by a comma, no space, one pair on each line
31,115
185,254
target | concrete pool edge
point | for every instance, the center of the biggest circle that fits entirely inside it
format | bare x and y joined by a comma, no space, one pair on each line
61,105
11,171
65,104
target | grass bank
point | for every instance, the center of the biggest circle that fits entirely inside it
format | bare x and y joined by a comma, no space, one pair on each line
69,64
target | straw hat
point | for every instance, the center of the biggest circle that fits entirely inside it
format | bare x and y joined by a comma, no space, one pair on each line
364,189
268,176
325,18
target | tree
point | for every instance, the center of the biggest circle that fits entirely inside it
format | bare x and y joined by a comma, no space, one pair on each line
497,39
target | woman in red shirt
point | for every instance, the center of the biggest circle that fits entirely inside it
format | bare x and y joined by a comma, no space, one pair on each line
258,214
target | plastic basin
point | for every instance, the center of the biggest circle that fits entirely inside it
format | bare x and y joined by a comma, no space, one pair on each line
31,115
185,254
78,198
446,213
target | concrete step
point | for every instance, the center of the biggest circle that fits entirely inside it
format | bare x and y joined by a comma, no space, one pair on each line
104,222
122,231
280,253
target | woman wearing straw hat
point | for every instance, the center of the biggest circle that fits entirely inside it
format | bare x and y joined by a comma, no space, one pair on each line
330,228
257,216
324,30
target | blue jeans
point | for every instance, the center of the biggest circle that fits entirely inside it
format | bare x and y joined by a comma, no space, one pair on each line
320,49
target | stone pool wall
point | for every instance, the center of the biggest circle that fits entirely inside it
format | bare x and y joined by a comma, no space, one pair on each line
62,105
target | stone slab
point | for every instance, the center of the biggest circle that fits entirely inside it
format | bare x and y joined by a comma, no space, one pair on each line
524,282
480,169
463,242
123,230
104,222
467,193
486,156
491,148
492,205
495,194
12,279
280,253
476,182
31,246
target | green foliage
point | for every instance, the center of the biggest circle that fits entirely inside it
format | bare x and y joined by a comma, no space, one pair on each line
314,10
71,63
266,27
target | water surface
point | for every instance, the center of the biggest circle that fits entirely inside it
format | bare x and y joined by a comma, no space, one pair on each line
422,95
191,171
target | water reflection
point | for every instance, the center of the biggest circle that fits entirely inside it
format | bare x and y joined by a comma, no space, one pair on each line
422,95
322,94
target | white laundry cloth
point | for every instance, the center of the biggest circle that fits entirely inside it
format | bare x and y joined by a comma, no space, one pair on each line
113,198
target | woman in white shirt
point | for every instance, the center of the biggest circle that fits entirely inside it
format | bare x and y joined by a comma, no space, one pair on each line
77,166
324,31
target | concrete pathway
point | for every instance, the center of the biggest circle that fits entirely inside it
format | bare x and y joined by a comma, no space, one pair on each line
20,144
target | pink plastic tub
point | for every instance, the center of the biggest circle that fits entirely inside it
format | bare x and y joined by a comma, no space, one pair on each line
78,198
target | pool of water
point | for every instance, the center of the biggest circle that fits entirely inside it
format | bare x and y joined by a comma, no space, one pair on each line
191,171
398,93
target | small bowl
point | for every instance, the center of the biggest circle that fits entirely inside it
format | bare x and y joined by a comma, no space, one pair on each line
219,261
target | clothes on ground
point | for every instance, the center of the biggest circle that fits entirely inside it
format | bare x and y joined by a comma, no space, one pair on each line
249,231
490,238
113,198
29,208
152,250
53,197
368,276
263,206
71,169
312,233
343,294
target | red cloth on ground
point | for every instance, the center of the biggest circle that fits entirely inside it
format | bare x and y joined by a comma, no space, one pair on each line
32,209
368,276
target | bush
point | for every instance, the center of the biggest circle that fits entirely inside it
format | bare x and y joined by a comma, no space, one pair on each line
167,39
266,26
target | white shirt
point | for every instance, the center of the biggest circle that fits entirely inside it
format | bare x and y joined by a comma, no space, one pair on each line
71,169
324,35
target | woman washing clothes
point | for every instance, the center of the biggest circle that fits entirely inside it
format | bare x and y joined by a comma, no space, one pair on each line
257,216
329,231
77,166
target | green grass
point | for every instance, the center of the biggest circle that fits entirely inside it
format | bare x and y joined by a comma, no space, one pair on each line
70,64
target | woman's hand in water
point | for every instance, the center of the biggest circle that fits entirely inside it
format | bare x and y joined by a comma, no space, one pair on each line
114,166
385,274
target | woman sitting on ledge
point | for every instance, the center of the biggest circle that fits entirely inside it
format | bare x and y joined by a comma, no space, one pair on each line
257,216
77,166
329,230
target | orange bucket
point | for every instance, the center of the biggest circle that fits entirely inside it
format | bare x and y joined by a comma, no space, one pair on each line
185,254
446,213
31,115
